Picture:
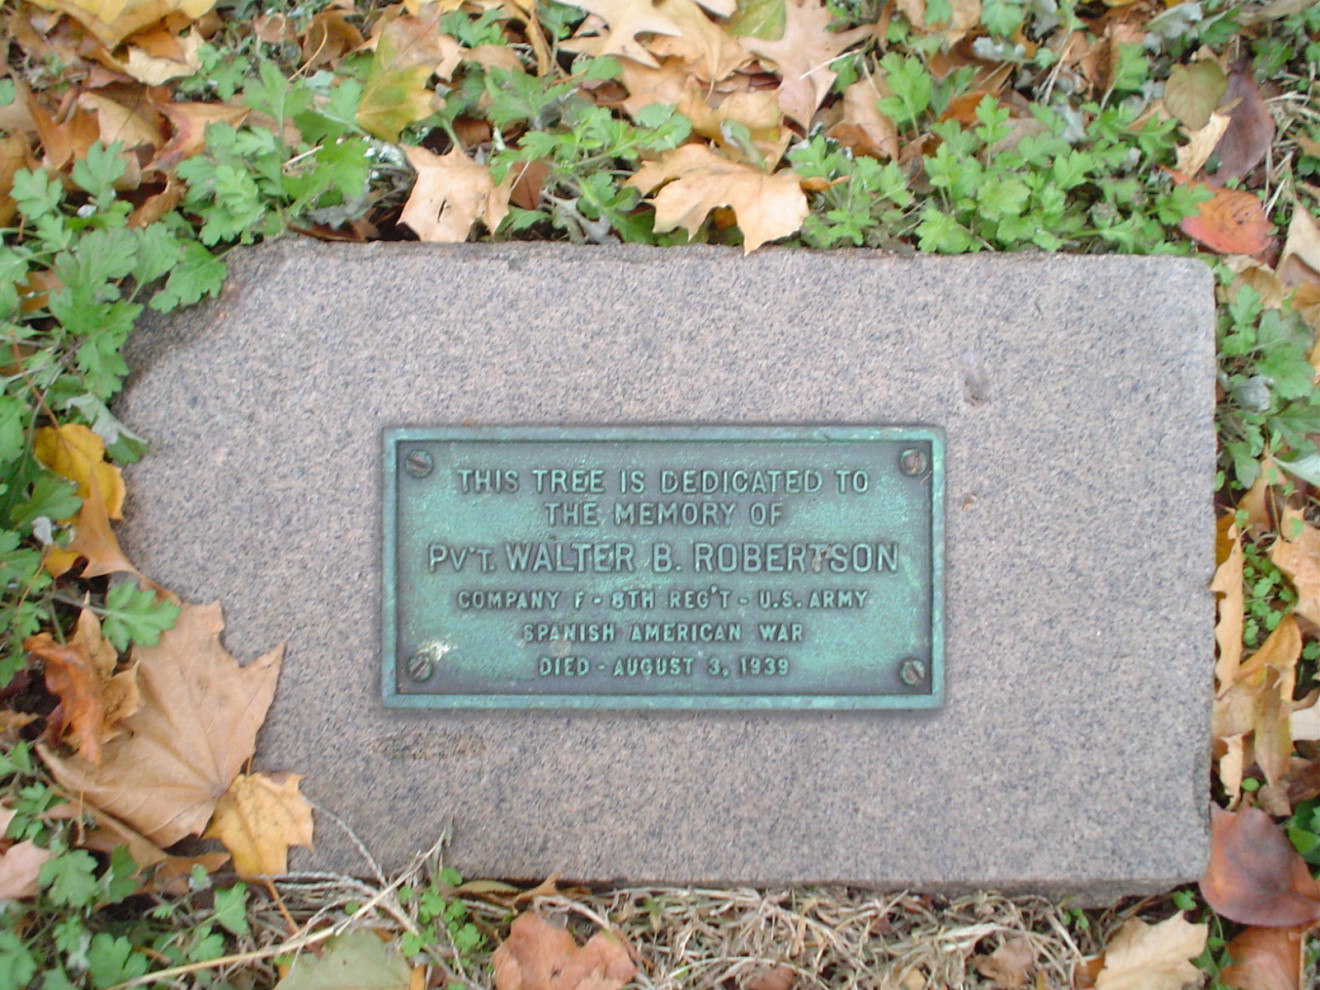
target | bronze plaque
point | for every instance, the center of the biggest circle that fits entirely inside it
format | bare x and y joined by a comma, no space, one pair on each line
663,567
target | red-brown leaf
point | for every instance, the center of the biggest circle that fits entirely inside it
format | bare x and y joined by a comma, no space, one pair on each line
1264,959
1230,222
1250,127
1255,876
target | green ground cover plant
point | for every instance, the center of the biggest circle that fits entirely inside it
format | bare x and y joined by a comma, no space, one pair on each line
142,141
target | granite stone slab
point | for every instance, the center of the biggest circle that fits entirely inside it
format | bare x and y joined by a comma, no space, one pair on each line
1076,397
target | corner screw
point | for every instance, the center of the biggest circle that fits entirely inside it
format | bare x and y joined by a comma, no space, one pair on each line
420,666
418,463
912,672
912,461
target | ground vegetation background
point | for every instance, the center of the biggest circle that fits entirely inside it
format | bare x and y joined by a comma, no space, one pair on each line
140,140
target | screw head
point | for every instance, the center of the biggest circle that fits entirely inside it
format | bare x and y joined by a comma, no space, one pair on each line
421,666
912,672
912,461
419,463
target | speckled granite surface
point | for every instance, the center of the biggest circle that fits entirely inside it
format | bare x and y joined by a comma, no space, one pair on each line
1076,395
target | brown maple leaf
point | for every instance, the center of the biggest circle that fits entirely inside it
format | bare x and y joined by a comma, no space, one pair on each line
803,56
697,180
452,192
81,673
539,956
257,819
196,728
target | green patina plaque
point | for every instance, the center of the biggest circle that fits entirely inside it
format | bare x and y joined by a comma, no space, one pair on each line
664,567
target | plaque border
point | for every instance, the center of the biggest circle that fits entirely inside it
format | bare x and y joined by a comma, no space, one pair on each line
392,436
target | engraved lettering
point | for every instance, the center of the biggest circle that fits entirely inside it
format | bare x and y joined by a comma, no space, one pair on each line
686,632
570,558
568,632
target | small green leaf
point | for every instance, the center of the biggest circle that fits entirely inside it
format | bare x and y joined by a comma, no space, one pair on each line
357,961
69,878
231,909
133,615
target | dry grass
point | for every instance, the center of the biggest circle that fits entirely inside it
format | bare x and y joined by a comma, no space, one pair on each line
689,938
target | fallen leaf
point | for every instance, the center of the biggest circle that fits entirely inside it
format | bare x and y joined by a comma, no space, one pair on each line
864,128
74,452
697,180
257,819
539,956
135,126
1232,221
1303,240
1193,91
19,866
709,53
1231,606
81,673
1007,966
627,19
189,121
647,85
451,193
763,19
1152,957
757,111
356,961
14,152
1264,959
1260,277
196,728
803,56
111,21
395,93
1255,876
1232,766
1191,157
1299,558
93,539
156,70
329,37
1250,128
64,140
1259,699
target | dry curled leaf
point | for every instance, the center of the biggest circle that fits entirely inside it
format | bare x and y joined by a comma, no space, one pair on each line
626,20
697,180
1250,128
257,819
1259,699
81,673
1152,957
196,728
539,956
1264,959
1297,554
452,193
1231,605
1255,876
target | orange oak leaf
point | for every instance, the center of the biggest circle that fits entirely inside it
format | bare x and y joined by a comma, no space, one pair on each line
452,192
1255,876
1231,222
539,956
1264,959
803,57
697,180
257,819
196,728
81,673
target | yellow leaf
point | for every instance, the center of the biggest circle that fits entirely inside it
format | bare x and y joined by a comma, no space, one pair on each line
93,539
1152,957
451,193
257,819
698,180
395,93
73,451
111,21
